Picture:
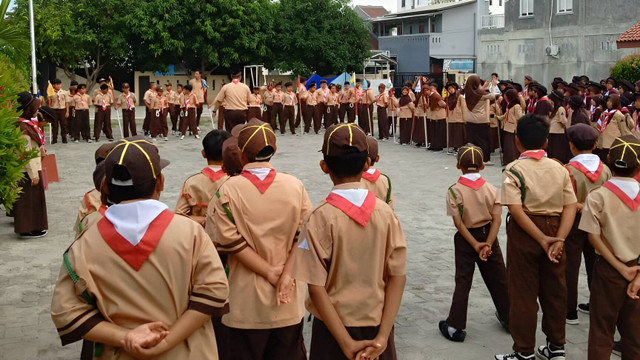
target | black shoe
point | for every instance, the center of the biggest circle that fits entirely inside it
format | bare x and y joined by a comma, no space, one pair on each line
572,318
34,234
457,336
545,352
505,324
617,348
584,308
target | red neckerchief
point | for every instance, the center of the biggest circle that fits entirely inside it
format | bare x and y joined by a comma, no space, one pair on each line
360,214
533,154
593,177
531,106
135,256
631,203
212,174
292,96
58,96
261,185
128,97
258,100
371,177
544,98
186,103
235,81
475,185
604,120
34,124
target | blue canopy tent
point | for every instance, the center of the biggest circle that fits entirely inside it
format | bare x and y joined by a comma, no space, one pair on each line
316,79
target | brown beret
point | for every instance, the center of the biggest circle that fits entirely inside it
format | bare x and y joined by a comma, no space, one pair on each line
231,156
581,133
253,137
470,157
141,159
373,147
624,152
342,139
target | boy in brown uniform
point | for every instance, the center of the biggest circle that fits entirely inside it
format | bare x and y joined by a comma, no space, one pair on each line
610,216
199,189
60,104
148,101
82,101
174,107
128,101
474,205
310,115
352,256
372,179
174,278
322,98
289,101
542,206
158,124
346,104
258,216
190,106
587,173
236,97
276,106
102,122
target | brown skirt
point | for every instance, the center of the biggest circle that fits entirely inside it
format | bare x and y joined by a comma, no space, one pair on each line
30,211
494,144
457,137
478,135
509,149
418,129
439,137
558,148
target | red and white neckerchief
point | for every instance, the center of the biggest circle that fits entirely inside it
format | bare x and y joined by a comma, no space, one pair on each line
128,97
33,122
544,98
525,91
381,97
604,120
627,191
588,164
531,106
358,204
324,92
292,96
474,181
533,154
186,103
258,100
82,101
58,96
371,175
261,178
212,174
235,81
104,104
359,95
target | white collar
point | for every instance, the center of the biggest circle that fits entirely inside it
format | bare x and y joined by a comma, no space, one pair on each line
472,176
628,186
589,161
215,168
261,173
354,196
132,220
371,170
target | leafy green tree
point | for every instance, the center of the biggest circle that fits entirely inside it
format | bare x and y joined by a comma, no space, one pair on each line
13,41
628,68
323,36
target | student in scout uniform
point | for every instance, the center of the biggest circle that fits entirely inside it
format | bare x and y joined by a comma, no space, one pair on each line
437,115
300,91
128,101
475,115
355,286
611,125
558,144
455,119
102,122
60,105
101,82
74,129
371,99
542,206
190,103
509,125
333,104
81,102
159,121
392,111
276,106
200,188
382,102
346,103
266,91
258,216
494,131
421,118
362,106
236,97
197,85
172,101
372,179
255,104
322,97
311,116
289,101
474,205
406,109
587,173
148,99
162,256
606,216
181,109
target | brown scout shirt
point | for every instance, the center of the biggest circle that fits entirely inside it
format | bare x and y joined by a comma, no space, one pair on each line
582,184
456,115
198,89
182,272
546,183
353,262
322,95
311,98
289,99
606,214
474,200
558,122
122,101
149,97
198,190
91,202
81,102
269,223
378,183
98,100
235,96
60,100
510,119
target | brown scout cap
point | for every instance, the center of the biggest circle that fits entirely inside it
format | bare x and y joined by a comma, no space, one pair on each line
140,157
624,152
103,151
582,133
231,156
373,147
470,157
342,139
253,137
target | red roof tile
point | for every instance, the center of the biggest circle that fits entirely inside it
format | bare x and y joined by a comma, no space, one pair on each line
374,11
632,34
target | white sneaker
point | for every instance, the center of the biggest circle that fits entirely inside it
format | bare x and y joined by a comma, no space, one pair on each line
197,137
181,137
89,141
198,128
166,139
154,140
514,356
544,352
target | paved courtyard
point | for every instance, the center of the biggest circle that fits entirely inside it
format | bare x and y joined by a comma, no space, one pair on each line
29,269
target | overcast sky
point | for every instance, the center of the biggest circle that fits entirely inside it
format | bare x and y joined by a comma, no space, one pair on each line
390,5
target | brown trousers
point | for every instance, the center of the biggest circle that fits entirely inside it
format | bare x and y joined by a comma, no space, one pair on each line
493,272
254,112
147,118
222,338
129,122
405,130
363,118
102,122
190,121
321,108
532,276
610,307
233,118
268,344
174,113
351,112
277,113
383,123
325,347
575,246
311,117
221,113
84,127
59,121
343,111
159,123
199,114
266,115
289,116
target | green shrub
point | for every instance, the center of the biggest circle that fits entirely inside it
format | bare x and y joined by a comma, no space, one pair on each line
13,156
628,68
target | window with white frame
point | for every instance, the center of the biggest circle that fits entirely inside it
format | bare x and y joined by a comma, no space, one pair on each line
565,6
526,8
